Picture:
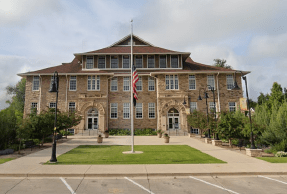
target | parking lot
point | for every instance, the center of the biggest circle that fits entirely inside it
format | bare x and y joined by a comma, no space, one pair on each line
142,185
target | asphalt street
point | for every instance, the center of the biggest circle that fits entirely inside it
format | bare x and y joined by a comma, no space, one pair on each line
142,185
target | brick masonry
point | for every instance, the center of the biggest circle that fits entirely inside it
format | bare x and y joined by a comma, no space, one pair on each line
163,99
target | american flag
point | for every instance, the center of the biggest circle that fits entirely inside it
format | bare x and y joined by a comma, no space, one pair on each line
135,80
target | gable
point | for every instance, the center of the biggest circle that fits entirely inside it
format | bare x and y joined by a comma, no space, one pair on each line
126,41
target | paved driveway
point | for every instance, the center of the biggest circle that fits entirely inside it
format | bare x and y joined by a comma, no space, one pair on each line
142,185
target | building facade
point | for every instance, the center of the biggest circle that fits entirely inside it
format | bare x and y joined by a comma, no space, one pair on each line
97,85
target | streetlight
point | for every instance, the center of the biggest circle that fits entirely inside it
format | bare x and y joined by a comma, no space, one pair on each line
205,96
55,88
236,87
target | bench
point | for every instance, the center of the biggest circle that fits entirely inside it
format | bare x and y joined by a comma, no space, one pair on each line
30,144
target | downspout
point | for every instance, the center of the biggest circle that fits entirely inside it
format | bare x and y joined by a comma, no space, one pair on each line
218,92
40,94
67,93
157,110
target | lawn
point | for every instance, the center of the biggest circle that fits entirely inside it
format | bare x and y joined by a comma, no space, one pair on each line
152,154
274,159
3,160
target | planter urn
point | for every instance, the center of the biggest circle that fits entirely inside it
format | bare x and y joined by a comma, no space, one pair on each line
166,139
159,135
100,139
106,135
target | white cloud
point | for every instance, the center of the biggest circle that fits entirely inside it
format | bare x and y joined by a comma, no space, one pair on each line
17,12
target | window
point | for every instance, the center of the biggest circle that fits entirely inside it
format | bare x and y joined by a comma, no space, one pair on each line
192,83
126,110
114,62
34,107
193,106
151,84
139,110
139,61
211,107
139,84
127,84
52,105
210,81
150,61
101,62
126,61
162,61
114,84
51,82
151,110
232,106
72,106
90,62
174,61
114,110
93,83
72,131
73,83
229,82
171,82
36,83
195,131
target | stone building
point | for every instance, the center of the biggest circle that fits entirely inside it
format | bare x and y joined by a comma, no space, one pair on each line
97,85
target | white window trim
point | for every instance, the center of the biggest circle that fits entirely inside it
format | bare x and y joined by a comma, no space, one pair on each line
33,83
189,83
123,62
140,81
124,110
34,107
177,62
136,63
153,83
111,85
165,62
87,61
153,62
191,110
173,81
154,111
111,111
70,83
111,61
70,106
213,81
227,81
52,103
96,83
235,106
105,61
128,84
136,111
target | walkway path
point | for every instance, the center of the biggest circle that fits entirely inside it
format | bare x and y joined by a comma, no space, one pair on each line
237,164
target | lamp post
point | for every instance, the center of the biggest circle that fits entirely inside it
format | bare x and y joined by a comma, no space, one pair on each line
214,109
285,90
55,88
236,87
205,96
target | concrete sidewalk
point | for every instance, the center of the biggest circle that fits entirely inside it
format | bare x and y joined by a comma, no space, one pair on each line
237,164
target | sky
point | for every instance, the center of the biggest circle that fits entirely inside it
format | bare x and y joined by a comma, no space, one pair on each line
250,34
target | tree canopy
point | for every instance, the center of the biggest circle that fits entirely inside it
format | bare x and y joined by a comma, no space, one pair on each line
221,63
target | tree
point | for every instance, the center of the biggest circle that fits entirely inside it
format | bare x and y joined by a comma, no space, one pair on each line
18,92
261,99
276,93
221,63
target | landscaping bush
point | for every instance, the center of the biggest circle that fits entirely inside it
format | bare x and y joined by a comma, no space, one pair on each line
48,139
281,154
119,132
145,132
64,133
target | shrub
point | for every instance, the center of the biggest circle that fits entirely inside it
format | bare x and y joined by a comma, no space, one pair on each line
119,132
281,154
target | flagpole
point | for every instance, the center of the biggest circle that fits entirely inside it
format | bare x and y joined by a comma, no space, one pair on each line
132,107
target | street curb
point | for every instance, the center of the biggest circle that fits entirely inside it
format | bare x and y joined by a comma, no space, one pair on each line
145,174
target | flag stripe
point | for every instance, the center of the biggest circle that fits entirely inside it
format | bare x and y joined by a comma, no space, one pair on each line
135,80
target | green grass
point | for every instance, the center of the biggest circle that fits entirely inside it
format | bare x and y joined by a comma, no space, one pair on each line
3,160
274,159
152,154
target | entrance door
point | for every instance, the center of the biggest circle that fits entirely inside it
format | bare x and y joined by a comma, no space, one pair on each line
92,119
173,120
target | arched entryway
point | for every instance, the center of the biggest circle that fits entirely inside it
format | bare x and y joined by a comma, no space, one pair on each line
92,119
173,120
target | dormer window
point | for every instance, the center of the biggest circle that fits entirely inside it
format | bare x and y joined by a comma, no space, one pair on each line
150,61
90,62
114,62
101,62
174,61
139,61
126,61
162,61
